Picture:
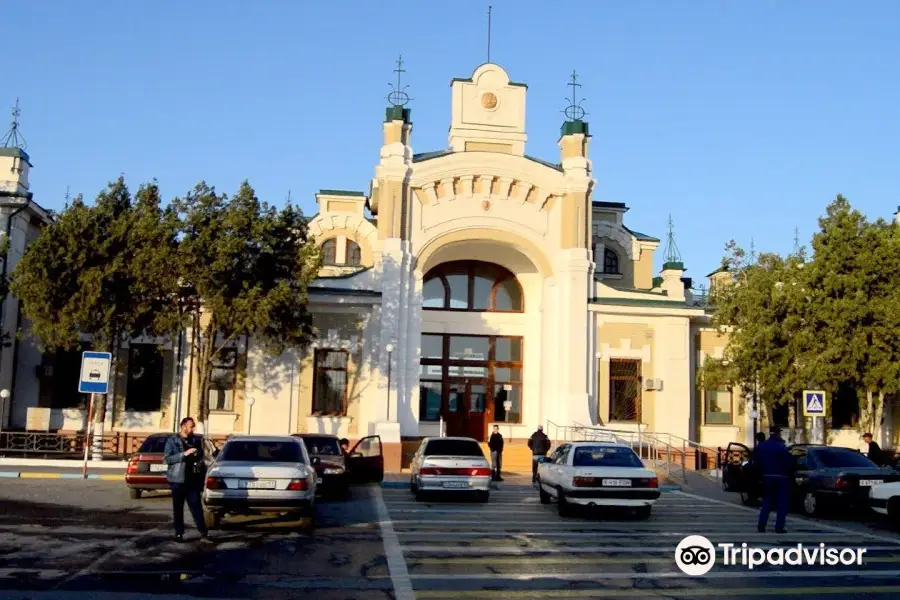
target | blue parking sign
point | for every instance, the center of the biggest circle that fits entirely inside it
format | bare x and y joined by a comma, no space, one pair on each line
813,403
94,372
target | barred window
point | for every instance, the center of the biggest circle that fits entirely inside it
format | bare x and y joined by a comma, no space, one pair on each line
330,384
610,262
354,255
329,252
624,390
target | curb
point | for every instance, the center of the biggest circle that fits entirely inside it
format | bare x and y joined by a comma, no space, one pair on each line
28,475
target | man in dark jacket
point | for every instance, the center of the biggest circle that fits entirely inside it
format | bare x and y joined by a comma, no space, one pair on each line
495,443
186,475
540,445
776,463
874,451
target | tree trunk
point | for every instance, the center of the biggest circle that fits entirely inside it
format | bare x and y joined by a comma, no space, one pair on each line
104,404
204,370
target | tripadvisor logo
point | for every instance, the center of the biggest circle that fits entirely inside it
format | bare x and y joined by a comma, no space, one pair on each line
695,555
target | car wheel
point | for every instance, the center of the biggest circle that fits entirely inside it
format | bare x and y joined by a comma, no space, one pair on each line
412,485
562,505
545,497
643,512
893,511
482,496
134,493
810,504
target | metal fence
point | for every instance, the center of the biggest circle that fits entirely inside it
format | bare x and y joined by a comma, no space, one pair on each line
116,445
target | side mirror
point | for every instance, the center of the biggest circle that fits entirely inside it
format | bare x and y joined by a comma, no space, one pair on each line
315,460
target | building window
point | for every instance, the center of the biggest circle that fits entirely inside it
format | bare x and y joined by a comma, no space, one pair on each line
354,255
624,390
64,382
145,378
472,286
329,252
610,262
845,407
430,400
330,384
718,406
222,382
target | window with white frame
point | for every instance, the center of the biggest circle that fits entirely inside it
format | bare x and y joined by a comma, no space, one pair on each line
718,403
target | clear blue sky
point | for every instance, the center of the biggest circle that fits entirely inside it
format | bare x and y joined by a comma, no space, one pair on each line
741,119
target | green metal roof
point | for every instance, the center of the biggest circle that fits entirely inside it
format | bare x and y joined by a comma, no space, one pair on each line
602,204
344,292
16,153
642,236
554,166
342,193
422,156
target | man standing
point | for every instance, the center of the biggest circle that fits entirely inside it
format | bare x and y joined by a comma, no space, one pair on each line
775,463
540,445
874,450
495,443
186,474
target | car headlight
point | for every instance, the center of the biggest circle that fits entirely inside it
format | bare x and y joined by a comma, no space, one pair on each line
334,471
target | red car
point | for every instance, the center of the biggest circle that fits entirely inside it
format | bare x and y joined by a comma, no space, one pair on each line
335,472
146,470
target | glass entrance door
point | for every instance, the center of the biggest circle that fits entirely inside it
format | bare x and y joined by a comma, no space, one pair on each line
466,412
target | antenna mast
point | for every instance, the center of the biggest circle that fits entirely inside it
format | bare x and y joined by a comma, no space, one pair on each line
489,33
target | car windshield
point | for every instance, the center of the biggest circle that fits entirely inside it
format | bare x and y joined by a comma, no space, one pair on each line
835,458
453,448
322,446
154,444
605,456
259,451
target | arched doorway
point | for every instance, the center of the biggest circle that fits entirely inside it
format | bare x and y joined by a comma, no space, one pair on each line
473,378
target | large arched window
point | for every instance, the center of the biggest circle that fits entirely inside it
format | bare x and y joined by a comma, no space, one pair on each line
610,262
329,252
472,286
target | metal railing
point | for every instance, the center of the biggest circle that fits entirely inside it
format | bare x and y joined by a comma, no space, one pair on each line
665,451
29,444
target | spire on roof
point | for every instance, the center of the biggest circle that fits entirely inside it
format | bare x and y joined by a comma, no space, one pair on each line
753,255
14,138
574,111
796,241
672,255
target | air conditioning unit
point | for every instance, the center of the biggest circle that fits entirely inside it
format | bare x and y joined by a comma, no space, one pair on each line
653,384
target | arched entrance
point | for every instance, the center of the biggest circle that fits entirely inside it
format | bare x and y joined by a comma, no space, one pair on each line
471,370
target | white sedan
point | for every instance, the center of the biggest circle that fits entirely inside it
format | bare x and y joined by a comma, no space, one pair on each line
885,500
591,474
259,475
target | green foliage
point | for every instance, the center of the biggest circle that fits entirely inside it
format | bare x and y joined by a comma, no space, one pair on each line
245,267
820,323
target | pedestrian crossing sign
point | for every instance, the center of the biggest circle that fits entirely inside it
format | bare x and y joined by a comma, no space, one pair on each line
813,403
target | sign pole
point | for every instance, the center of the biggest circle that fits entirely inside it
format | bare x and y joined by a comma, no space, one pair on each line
89,427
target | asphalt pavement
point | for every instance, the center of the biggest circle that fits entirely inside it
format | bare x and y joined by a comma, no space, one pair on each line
88,539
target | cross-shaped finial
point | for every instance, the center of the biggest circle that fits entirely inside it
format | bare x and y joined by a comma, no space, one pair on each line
14,138
398,96
574,112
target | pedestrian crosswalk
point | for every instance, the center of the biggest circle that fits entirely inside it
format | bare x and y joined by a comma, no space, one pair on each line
515,547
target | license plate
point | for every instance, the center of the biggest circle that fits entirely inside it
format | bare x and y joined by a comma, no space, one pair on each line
870,482
616,483
456,484
258,484
158,468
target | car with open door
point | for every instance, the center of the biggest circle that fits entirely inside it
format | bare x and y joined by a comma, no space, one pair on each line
363,464
597,475
833,477
740,474
450,464
146,470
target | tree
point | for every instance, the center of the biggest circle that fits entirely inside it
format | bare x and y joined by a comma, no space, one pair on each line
246,267
104,270
760,312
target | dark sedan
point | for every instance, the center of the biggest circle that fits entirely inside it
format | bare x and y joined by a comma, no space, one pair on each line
146,470
335,471
824,477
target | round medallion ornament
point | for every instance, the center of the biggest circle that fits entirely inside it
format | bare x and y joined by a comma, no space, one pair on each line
485,204
489,100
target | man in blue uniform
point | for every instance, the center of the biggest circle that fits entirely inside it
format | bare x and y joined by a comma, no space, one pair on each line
775,463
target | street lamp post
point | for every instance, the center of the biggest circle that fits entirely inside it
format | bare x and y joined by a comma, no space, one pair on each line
390,349
4,394
250,402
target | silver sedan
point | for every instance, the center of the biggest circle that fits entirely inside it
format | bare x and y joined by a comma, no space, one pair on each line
259,475
450,464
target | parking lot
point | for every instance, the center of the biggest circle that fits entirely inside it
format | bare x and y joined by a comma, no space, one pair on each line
59,537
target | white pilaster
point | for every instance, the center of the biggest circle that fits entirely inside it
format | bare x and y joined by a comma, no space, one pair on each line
572,273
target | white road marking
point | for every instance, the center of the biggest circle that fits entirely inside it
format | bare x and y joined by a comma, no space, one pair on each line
738,573
518,550
569,534
392,550
794,518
